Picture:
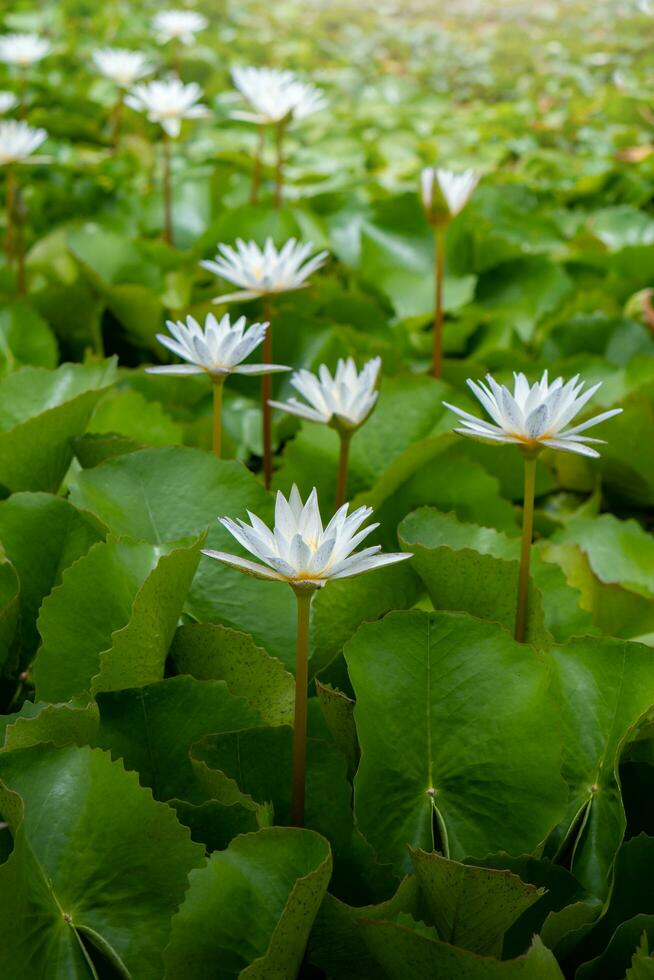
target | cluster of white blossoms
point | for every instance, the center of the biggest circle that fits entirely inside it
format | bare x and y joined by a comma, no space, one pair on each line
168,103
218,349
23,50
444,193
178,25
299,550
533,416
264,271
275,95
18,141
122,66
343,400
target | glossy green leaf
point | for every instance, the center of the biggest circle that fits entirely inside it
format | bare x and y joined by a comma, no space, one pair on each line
476,769
42,535
85,871
40,413
209,652
152,729
471,907
124,640
603,687
249,912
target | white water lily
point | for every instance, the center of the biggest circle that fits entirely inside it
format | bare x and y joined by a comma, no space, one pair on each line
123,67
275,95
218,349
167,103
443,187
18,141
344,400
534,416
23,49
178,25
8,101
263,271
298,550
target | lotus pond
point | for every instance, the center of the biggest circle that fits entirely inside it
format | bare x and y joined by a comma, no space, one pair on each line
327,490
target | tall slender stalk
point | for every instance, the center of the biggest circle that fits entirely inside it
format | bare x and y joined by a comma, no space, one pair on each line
266,395
218,384
22,92
279,165
343,459
176,57
117,119
10,191
525,550
301,697
439,268
258,163
167,190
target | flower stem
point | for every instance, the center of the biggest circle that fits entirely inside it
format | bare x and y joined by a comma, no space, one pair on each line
301,698
218,383
22,90
279,167
258,162
117,122
525,551
10,207
341,486
167,190
439,267
266,395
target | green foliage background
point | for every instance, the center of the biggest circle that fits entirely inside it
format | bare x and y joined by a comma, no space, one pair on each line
476,808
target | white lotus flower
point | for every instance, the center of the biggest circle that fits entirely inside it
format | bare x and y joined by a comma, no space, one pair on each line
122,66
343,401
8,101
298,550
534,416
23,49
452,190
18,141
180,25
167,103
217,349
262,271
275,95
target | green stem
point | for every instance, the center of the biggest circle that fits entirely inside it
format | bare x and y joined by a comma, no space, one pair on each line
439,267
525,550
117,121
218,384
279,166
258,162
10,207
167,190
341,486
22,92
301,698
266,395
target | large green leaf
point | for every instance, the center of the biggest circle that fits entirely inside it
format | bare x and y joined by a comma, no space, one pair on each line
475,569
152,729
452,755
42,535
123,641
471,907
25,338
407,953
249,912
603,687
209,652
619,552
40,413
96,863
